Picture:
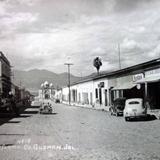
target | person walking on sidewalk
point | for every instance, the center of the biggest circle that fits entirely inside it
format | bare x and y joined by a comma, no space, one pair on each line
13,104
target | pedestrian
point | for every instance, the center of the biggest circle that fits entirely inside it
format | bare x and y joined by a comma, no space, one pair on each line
147,103
13,104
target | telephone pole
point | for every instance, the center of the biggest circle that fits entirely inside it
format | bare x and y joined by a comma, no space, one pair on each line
69,79
119,56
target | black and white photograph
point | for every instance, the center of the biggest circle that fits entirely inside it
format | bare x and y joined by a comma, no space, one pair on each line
79,79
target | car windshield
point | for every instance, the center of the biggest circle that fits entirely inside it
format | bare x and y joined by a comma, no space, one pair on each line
134,102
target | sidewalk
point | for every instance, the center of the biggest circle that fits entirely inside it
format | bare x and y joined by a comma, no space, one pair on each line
155,112
87,106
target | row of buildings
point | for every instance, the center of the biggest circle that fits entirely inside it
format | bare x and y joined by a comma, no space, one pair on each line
139,81
6,84
5,76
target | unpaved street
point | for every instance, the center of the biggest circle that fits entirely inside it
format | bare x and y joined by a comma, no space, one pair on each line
77,133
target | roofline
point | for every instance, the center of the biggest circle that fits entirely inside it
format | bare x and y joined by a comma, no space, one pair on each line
134,69
2,56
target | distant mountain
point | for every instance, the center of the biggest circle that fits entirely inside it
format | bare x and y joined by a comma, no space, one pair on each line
32,79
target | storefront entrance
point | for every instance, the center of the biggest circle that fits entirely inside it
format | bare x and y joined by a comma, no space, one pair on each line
154,95
134,92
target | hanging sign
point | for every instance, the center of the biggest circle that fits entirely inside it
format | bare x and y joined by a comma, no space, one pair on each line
138,77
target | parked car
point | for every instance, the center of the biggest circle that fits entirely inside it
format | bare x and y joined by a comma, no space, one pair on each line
134,108
46,108
118,106
57,100
36,103
9,105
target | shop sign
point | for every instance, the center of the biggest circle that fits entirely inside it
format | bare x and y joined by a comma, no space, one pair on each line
154,72
138,77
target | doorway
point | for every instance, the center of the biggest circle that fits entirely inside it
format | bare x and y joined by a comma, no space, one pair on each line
106,100
100,95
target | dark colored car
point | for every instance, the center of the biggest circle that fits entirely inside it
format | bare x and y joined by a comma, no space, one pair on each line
118,106
57,101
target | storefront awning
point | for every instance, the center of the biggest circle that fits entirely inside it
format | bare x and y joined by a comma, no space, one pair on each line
149,79
124,86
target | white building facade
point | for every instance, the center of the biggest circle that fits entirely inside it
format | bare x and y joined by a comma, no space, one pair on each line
90,93
139,81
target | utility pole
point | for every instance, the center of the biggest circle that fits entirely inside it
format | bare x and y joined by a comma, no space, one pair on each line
119,56
69,83
20,84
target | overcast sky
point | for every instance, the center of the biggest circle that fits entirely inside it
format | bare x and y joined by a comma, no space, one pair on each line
45,33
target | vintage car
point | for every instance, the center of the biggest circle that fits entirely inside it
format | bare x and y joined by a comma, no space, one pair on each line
36,103
57,100
9,105
118,106
134,108
46,108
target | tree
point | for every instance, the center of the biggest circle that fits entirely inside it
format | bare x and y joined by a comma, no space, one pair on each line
97,63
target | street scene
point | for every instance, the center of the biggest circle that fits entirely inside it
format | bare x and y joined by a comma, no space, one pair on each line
80,80
86,134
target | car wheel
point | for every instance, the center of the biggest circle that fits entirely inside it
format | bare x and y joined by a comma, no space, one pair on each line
117,114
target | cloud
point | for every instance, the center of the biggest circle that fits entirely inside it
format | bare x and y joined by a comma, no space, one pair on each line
129,44
17,18
2,8
12,22
44,33
16,3
155,52
128,6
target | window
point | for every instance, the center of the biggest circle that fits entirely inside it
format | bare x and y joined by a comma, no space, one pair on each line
134,102
96,92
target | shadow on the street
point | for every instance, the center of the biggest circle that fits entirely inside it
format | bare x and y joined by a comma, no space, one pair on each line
54,113
5,117
6,134
3,120
33,107
147,118
13,122
50,113
24,116
29,112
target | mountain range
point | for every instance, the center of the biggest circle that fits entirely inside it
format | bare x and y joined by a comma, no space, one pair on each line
33,79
